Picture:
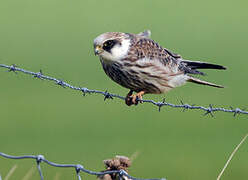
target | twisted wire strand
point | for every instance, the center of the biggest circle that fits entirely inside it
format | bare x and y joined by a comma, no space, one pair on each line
208,110
78,167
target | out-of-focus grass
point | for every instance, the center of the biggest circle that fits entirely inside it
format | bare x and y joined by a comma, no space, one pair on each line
56,36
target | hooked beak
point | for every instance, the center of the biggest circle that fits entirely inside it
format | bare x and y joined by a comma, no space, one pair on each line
98,50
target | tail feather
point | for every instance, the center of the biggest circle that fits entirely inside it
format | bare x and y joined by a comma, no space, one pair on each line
202,65
198,81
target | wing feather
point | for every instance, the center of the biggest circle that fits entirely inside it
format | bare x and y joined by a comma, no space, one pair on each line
143,48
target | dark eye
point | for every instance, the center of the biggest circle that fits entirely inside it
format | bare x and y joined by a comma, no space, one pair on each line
108,45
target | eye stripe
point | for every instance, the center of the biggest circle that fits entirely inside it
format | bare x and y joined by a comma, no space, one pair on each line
108,45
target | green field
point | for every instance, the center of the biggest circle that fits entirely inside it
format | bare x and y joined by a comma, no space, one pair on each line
39,117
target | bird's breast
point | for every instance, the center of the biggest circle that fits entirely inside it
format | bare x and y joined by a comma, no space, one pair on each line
135,77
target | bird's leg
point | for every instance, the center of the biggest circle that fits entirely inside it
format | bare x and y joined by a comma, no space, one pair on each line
139,96
128,99
132,98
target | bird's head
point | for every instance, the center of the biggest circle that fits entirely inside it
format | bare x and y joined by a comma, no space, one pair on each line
112,46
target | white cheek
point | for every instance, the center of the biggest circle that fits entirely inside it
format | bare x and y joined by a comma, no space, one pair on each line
118,52
121,51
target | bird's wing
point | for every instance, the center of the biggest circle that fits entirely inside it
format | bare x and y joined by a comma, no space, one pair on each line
146,49
150,51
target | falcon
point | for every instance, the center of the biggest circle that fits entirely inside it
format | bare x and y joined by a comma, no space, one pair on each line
141,65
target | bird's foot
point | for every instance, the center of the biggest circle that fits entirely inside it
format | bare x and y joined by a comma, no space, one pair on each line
128,99
134,98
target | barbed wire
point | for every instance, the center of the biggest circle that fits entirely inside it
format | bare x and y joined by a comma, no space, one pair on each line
78,167
208,110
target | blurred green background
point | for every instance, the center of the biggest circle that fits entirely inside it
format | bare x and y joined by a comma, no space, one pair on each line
38,117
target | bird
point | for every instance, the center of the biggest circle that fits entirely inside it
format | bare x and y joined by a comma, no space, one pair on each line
140,64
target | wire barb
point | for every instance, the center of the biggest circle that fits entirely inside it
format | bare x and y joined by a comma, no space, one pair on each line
12,68
209,110
107,95
185,106
39,159
160,104
38,74
78,169
84,90
61,83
